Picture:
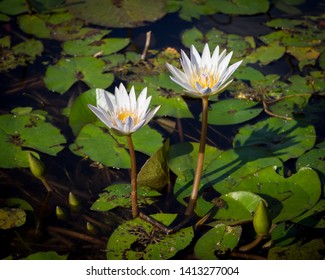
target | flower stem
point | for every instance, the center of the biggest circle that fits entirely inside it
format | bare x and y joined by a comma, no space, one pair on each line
134,195
199,165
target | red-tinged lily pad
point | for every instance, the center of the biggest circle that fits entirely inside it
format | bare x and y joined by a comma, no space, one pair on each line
61,76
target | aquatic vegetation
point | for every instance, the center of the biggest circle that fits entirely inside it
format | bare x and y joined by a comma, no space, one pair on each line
257,165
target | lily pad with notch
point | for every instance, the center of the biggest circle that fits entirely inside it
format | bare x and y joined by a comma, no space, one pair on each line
61,76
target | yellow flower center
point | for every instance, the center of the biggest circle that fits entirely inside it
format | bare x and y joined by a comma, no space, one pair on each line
123,115
205,80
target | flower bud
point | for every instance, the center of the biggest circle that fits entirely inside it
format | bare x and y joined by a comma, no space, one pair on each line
74,202
60,213
36,166
91,228
262,221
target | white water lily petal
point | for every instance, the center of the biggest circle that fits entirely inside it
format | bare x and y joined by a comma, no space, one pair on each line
204,75
123,112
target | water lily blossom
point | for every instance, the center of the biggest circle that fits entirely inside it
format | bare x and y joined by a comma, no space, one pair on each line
122,112
203,75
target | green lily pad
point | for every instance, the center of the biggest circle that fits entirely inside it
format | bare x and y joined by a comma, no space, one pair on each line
291,106
12,217
284,234
217,240
285,139
236,206
305,55
298,251
232,111
95,44
313,217
243,7
288,6
12,8
127,13
21,54
137,239
58,26
248,73
155,172
42,6
100,146
120,195
27,131
287,197
315,159
50,255
266,54
66,72
188,9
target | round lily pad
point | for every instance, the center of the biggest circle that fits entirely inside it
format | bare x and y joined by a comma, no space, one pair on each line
232,111
26,131
127,13
285,139
138,239
61,76
217,240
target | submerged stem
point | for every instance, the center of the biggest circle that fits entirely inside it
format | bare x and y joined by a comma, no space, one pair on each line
199,165
134,195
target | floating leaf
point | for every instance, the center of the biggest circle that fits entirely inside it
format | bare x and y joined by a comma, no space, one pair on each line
100,146
95,44
305,55
127,13
285,139
266,54
236,206
20,54
315,159
61,76
284,234
137,239
120,195
155,172
12,217
27,131
287,197
189,9
57,26
217,240
243,7
232,111
16,7
298,251
313,217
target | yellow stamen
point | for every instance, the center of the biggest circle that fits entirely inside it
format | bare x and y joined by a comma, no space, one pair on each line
205,80
123,115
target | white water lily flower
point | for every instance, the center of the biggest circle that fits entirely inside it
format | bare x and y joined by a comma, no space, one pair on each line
121,112
206,75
